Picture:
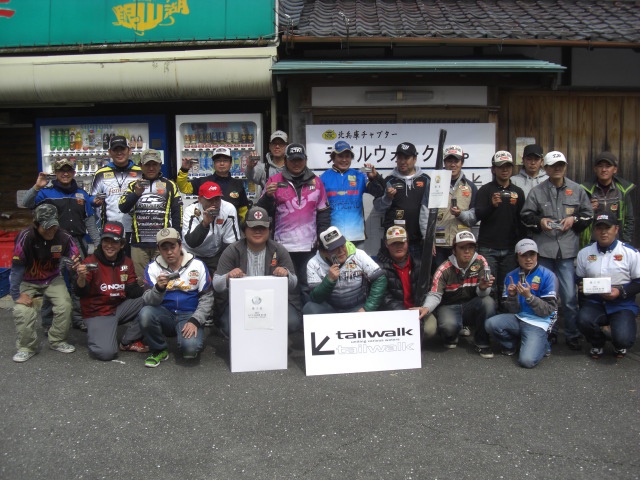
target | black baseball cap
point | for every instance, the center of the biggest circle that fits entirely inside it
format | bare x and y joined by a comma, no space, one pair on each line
533,149
605,218
407,149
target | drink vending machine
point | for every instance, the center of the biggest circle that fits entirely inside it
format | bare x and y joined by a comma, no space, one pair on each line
85,141
197,136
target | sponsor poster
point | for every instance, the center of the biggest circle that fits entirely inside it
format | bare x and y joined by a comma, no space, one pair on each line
258,323
361,342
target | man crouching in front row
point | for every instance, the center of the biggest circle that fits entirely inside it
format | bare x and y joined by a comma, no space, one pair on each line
178,302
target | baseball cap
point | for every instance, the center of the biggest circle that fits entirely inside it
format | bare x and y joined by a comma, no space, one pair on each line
167,234
118,141
606,157
114,230
407,149
341,147
151,155
526,245
453,151
396,234
46,215
257,217
606,218
501,158
63,162
221,152
294,151
279,134
210,190
532,149
554,157
464,236
331,238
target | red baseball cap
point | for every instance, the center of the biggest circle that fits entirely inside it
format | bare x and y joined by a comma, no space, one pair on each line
210,190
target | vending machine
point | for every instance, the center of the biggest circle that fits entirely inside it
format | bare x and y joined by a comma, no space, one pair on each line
85,141
197,136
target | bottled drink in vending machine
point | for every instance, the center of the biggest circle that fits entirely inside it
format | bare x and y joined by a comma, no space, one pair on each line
205,164
139,143
78,140
207,140
64,139
111,137
132,141
236,137
52,139
186,140
92,138
105,141
71,139
229,137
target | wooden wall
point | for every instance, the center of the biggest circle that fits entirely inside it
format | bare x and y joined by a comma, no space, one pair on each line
578,124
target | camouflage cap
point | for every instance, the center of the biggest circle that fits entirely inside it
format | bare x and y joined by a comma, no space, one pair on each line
46,216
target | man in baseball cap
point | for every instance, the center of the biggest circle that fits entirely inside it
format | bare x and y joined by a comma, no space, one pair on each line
530,297
610,194
179,299
35,271
498,207
555,212
343,278
346,187
405,197
614,311
462,201
531,174
273,260
461,295
259,172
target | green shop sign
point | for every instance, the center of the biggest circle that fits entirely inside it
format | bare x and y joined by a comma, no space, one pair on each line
28,23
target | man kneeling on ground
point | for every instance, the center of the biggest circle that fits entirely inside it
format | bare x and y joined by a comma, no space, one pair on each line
343,278
109,296
178,302
461,293
530,298
256,255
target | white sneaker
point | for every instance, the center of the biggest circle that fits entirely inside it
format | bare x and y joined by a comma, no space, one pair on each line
465,332
63,347
21,357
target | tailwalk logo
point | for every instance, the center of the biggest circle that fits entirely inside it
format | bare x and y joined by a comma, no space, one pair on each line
143,16
361,342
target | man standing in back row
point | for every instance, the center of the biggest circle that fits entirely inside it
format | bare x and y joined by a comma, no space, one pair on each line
556,211
531,174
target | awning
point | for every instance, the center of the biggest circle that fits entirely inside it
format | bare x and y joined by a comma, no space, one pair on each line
293,67
142,76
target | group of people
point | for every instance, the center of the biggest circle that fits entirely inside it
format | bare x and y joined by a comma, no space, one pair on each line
165,269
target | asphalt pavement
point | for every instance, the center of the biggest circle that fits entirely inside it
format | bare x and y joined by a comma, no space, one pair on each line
459,416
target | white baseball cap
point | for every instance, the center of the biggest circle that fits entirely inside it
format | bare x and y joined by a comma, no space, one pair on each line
526,245
554,157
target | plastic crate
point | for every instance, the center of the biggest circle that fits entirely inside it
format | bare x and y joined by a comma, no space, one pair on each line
7,240
4,281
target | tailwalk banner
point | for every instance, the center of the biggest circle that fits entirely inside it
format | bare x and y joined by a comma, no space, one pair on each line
361,342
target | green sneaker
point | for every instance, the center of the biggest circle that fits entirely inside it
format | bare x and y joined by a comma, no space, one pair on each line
155,358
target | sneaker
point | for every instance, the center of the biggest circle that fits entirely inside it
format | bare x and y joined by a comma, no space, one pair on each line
134,347
21,357
573,343
451,344
509,352
485,352
465,332
63,347
154,359
190,356
596,353
619,353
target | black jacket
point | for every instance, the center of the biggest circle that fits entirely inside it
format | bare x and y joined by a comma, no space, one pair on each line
394,298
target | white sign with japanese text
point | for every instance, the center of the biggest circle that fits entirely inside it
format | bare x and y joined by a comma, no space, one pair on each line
258,323
361,342
596,285
440,187
377,144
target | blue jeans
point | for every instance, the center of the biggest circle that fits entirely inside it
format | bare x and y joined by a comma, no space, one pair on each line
501,262
157,322
565,271
623,325
508,330
474,312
